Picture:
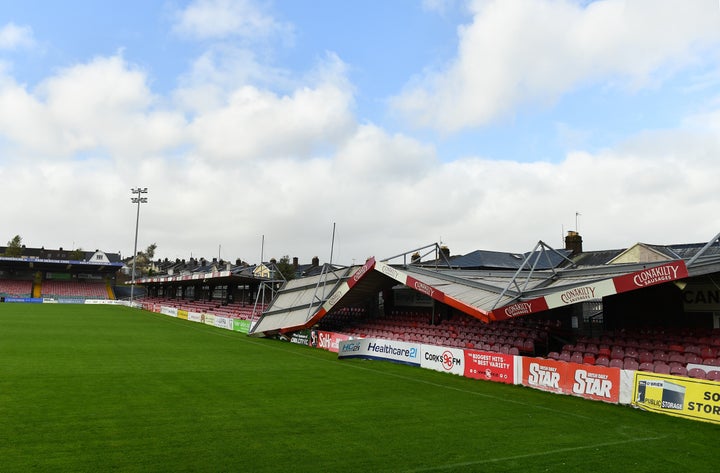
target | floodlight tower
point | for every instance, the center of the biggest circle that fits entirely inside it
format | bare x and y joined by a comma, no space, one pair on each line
136,200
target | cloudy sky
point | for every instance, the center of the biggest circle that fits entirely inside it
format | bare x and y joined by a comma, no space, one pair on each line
479,124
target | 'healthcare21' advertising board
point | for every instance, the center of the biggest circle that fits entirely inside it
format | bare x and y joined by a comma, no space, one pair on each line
378,349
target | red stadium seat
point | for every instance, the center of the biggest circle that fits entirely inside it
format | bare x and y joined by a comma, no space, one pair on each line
678,370
617,353
698,373
677,358
588,359
693,358
645,357
659,355
630,364
713,375
602,361
708,352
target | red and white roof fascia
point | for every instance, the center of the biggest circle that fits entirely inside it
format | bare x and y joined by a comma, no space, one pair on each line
660,274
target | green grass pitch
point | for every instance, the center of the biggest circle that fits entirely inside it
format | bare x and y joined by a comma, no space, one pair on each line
95,388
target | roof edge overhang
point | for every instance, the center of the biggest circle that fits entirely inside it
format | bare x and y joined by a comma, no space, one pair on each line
413,283
649,276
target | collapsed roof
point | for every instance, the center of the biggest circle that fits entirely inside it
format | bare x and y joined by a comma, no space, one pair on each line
542,279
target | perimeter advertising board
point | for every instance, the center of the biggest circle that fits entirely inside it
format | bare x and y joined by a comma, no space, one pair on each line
31,300
241,325
378,349
330,340
446,360
590,382
207,319
223,322
488,366
170,311
692,398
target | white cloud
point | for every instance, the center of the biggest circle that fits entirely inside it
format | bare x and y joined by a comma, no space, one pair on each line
254,123
14,37
220,70
103,106
242,150
519,52
217,19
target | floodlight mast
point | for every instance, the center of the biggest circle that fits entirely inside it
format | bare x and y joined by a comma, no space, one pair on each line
136,200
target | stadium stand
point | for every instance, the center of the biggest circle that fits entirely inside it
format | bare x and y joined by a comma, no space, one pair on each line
74,289
15,288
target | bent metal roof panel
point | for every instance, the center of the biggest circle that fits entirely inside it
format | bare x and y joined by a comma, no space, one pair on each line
297,303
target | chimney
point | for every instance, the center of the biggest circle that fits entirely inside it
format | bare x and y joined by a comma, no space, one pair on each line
316,261
295,262
573,242
445,250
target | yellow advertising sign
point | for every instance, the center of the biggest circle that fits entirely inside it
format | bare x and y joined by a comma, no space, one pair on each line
182,314
696,399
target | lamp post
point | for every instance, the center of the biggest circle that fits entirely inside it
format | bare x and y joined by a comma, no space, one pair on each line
136,200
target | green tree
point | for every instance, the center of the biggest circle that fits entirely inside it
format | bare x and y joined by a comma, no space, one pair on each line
150,251
286,268
14,247
143,260
77,255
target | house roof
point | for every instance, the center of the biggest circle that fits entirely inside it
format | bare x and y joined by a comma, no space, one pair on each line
480,259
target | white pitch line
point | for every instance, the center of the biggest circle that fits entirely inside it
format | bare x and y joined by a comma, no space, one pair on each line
531,455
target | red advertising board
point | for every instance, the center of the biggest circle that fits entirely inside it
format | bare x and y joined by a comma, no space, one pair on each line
651,276
330,340
595,382
520,308
588,381
547,375
489,366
